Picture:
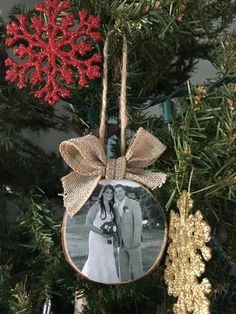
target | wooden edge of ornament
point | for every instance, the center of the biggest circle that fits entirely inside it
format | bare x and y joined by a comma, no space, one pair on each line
151,269
64,246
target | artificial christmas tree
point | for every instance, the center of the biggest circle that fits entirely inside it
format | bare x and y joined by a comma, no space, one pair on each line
164,39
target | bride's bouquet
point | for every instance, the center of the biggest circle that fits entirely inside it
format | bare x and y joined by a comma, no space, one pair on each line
109,228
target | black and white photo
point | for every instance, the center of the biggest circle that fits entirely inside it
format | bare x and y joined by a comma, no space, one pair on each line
118,235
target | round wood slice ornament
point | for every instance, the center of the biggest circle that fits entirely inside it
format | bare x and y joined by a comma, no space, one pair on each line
119,234
114,231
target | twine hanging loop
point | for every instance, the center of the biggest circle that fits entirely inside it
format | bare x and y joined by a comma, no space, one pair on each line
86,155
122,107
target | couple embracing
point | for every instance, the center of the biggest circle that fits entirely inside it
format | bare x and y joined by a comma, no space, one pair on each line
115,221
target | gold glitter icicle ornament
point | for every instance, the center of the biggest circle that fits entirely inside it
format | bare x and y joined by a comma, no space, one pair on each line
187,253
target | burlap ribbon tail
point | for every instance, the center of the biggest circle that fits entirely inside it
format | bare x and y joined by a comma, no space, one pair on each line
87,158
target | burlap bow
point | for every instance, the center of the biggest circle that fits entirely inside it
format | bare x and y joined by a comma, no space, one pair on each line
86,156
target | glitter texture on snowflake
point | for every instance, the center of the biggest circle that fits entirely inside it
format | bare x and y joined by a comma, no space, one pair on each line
187,253
53,46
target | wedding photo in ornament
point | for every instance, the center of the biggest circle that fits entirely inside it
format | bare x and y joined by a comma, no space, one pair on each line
118,236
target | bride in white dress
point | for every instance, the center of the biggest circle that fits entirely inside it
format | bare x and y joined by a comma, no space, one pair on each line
100,265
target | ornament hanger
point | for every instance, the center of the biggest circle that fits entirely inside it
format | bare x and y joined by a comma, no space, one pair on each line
122,109
86,155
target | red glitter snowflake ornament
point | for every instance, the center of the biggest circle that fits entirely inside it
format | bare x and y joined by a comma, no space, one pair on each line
51,53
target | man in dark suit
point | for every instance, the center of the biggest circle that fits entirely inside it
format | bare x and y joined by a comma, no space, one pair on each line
129,222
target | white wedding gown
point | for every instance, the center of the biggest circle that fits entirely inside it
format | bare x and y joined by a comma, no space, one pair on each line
100,265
